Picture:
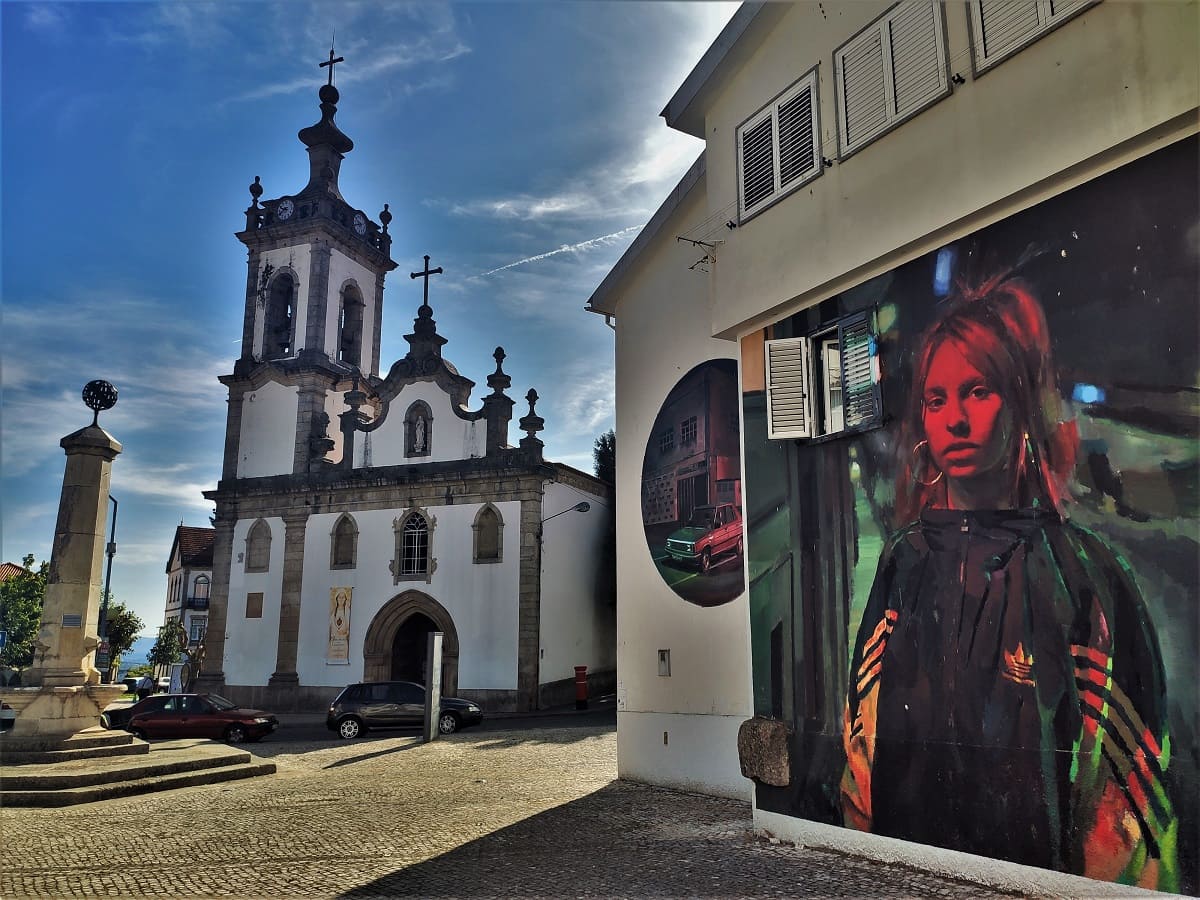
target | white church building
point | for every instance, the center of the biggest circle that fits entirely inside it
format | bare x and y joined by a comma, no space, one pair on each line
357,511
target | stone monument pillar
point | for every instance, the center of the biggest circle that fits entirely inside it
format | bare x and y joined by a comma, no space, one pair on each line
61,692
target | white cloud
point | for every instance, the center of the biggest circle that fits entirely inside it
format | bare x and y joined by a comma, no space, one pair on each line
585,402
49,18
602,241
167,485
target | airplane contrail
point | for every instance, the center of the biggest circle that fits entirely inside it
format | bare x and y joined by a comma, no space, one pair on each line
565,248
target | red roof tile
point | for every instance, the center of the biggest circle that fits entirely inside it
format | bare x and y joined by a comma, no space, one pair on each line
8,570
195,547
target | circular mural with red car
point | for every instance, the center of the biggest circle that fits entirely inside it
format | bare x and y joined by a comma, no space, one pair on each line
692,489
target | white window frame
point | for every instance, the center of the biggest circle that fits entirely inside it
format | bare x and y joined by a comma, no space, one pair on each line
792,377
806,83
1049,14
893,115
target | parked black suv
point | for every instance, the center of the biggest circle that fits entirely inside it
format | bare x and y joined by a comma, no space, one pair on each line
393,704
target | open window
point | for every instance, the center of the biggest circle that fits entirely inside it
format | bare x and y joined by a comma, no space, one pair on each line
825,383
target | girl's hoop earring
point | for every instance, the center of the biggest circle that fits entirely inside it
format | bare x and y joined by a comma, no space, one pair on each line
917,451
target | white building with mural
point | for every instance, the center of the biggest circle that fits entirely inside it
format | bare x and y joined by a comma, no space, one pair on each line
953,250
358,511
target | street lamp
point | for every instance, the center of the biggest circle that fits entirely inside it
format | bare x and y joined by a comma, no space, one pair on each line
581,506
102,623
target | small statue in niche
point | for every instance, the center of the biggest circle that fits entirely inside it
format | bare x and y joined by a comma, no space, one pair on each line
419,435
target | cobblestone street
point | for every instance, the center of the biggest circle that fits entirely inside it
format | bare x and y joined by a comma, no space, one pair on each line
535,813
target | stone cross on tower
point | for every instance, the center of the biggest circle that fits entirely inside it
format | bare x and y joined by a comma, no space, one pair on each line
425,274
331,63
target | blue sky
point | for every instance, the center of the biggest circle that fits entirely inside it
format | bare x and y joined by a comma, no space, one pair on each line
129,133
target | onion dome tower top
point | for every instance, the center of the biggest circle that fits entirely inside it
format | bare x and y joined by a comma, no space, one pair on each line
326,143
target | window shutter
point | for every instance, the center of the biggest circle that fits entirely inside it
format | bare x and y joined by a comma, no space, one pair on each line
797,151
757,152
999,28
919,73
860,373
778,147
864,94
789,388
894,67
1004,25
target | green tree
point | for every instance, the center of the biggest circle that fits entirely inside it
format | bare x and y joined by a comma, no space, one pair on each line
604,457
168,646
21,599
121,628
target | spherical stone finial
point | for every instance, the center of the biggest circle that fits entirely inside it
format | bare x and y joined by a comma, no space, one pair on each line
99,395
256,190
385,217
328,94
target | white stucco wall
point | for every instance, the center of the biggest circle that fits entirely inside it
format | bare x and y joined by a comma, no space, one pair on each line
341,270
662,333
481,599
576,625
268,414
251,644
998,143
449,436
335,405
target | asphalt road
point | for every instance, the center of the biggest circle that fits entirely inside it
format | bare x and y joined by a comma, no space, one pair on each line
311,728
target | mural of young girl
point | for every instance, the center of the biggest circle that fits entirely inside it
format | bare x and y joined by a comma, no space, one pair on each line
1008,694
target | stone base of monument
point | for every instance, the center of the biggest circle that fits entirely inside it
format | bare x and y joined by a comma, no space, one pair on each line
40,771
58,711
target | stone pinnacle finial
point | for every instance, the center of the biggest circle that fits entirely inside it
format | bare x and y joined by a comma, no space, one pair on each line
385,217
498,381
256,191
532,423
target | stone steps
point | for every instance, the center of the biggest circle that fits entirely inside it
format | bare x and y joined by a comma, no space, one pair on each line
165,765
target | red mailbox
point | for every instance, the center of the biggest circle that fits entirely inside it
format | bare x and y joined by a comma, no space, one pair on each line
581,687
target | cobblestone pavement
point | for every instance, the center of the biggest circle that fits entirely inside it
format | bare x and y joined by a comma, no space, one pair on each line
531,813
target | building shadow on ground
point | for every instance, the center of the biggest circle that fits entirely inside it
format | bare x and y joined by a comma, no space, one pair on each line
625,839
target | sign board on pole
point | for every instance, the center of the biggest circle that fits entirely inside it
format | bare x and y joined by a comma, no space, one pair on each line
433,685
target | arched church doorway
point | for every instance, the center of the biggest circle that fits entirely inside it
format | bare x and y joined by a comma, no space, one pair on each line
410,648
395,645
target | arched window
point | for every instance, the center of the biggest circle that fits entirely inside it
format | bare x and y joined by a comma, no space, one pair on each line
350,326
413,534
488,540
343,544
418,429
200,588
280,317
258,547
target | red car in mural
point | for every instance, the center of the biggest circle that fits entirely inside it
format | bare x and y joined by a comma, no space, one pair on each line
710,532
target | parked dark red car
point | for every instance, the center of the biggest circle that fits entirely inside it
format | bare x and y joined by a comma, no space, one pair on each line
191,715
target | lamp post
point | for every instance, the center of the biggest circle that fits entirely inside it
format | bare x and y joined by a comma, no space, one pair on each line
582,506
102,622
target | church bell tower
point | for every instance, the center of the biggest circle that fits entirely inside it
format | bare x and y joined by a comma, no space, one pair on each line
313,312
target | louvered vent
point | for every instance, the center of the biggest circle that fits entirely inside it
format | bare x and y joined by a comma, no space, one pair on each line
863,92
789,404
758,164
914,42
861,397
796,152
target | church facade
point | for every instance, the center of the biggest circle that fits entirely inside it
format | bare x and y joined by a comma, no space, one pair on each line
358,512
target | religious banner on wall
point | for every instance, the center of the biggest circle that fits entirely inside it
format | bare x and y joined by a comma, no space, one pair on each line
338,651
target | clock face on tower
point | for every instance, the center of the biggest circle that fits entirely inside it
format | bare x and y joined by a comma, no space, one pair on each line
360,223
285,209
